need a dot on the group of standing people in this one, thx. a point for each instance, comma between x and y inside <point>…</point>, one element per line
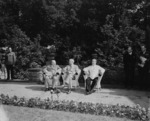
<point>8,60</point>
<point>142,62</point>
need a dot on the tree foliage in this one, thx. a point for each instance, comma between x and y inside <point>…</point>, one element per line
<point>101,26</point>
<point>117,38</point>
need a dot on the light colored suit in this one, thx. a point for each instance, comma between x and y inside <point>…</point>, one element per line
<point>52,75</point>
<point>71,75</point>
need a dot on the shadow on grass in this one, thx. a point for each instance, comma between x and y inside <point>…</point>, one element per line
<point>79,90</point>
<point>36,88</point>
<point>136,96</point>
<point>19,82</point>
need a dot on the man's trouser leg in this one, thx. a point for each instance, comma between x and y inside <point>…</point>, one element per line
<point>47,82</point>
<point>8,71</point>
<point>146,75</point>
<point>94,83</point>
<point>68,81</point>
<point>145,79</point>
<point>12,71</point>
<point>131,78</point>
<point>127,78</point>
<point>55,81</point>
<point>140,75</point>
<point>88,84</point>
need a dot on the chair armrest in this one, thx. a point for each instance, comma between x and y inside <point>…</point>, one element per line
<point>99,74</point>
<point>84,73</point>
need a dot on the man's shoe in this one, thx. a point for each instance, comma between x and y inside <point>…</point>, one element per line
<point>51,91</point>
<point>57,91</point>
<point>46,89</point>
<point>54,88</point>
<point>87,93</point>
<point>50,88</point>
<point>63,86</point>
<point>69,92</point>
<point>90,92</point>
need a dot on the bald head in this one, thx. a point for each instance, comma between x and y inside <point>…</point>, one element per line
<point>94,61</point>
<point>129,49</point>
<point>71,61</point>
<point>10,49</point>
<point>53,62</point>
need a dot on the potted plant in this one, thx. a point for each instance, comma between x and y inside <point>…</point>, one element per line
<point>35,72</point>
<point>51,52</point>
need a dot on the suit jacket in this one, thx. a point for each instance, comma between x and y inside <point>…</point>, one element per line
<point>12,55</point>
<point>129,61</point>
<point>52,70</point>
<point>71,70</point>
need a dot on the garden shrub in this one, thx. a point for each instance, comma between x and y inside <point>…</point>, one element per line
<point>76,28</point>
<point>114,76</point>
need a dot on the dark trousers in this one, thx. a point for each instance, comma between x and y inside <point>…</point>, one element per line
<point>10,70</point>
<point>91,83</point>
<point>129,79</point>
<point>143,77</point>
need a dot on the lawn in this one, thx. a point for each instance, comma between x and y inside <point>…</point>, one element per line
<point>32,114</point>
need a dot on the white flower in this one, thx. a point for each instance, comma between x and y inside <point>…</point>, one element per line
<point>48,47</point>
<point>51,91</point>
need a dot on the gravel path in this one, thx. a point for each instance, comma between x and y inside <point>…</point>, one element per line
<point>105,96</point>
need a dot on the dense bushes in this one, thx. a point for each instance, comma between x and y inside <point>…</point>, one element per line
<point>29,53</point>
<point>77,28</point>
<point>114,76</point>
<point>135,113</point>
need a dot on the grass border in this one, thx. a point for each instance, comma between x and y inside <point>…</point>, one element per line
<point>121,111</point>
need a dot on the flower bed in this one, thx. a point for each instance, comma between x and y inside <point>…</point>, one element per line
<point>135,113</point>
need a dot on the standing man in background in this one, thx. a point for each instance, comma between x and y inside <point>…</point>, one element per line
<point>10,63</point>
<point>129,60</point>
<point>143,67</point>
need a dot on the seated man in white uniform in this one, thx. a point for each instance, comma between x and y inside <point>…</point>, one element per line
<point>71,73</point>
<point>51,75</point>
<point>93,74</point>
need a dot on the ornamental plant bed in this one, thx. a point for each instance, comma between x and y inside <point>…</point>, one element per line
<point>35,74</point>
<point>122,111</point>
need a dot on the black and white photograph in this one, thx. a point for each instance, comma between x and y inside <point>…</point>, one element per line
<point>74,60</point>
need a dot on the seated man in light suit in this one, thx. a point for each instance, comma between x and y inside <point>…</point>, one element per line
<point>93,76</point>
<point>70,75</point>
<point>51,75</point>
